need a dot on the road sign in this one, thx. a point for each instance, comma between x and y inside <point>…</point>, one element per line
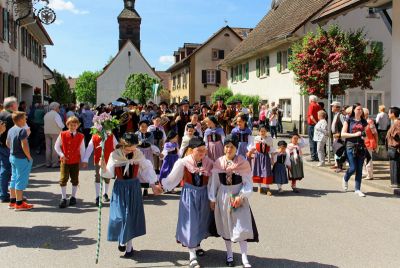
<point>334,75</point>
<point>346,76</point>
<point>334,81</point>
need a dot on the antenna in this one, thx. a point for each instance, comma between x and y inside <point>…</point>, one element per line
<point>226,21</point>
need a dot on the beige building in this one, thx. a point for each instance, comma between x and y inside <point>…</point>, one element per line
<point>195,74</point>
<point>22,51</point>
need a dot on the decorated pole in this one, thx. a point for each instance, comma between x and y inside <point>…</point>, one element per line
<point>102,144</point>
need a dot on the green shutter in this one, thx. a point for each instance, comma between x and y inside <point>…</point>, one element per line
<point>232,78</point>
<point>247,71</point>
<point>267,63</point>
<point>289,54</point>
<point>237,73</point>
<point>258,67</point>
<point>240,72</point>
<point>278,61</point>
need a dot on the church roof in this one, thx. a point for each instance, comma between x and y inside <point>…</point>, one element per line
<point>128,14</point>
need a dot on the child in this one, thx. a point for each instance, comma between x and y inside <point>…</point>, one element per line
<point>70,146</point>
<point>170,154</point>
<point>189,134</point>
<point>146,140</point>
<point>129,167</point>
<point>296,171</point>
<point>262,170</point>
<point>21,162</point>
<point>243,133</point>
<point>228,191</point>
<point>94,145</point>
<point>214,137</point>
<point>194,120</point>
<point>321,136</point>
<point>281,164</point>
<point>273,121</point>
<point>159,139</point>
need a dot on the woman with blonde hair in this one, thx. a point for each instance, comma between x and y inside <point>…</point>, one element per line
<point>382,119</point>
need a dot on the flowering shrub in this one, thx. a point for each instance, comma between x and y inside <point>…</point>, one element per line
<point>316,55</point>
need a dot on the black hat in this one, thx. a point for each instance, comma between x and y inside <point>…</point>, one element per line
<point>144,121</point>
<point>238,102</point>
<point>196,142</point>
<point>130,138</point>
<point>184,102</point>
<point>190,126</point>
<point>219,98</point>
<point>122,100</point>
<point>172,134</point>
<point>132,103</point>
<point>163,103</point>
<point>282,143</point>
<point>232,139</point>
<point>213,119</point>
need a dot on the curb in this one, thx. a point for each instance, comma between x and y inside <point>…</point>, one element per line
<point>38,166</point>
<point>370,183</point>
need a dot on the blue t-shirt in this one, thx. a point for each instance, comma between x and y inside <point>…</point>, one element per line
<point>15,137</point>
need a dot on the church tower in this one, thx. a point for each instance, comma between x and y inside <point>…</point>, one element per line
<point>129,25</point>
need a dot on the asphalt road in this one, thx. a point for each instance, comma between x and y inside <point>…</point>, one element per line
<point>320,227</point>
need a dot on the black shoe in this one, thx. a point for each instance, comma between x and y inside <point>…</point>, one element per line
<point>105,198</point>
<point>72,201</point>
<point>145,193</point>
<point>97,201</point>
<point>255,189</point>
<point>230,262</point>
<point>295,190</point>
<point>200,252</point>
<point>128,254</point>
<point>122,248</point>
<point>5,200</point>
<point>63,203</point>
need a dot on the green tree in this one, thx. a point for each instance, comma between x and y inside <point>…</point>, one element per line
<point>246,100</point>
<point>139,87</point>
<point>223,92</point>
<point>60,91</point>
<point>86,87</point>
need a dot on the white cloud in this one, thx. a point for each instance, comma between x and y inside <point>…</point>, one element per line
<point>66,5</point>
<point>167,60</point>
<point>58,22</point>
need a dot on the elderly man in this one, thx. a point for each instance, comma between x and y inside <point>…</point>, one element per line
<point>312,119</point>
<point>336,129</point>
<point>53,125</point>
<point>10,105</point>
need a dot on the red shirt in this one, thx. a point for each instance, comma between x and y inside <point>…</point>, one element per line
<point>109,148</point>
<point>313,110</point>
<point>71,146</point>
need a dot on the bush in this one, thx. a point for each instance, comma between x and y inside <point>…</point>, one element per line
<point>246,100</point>
<point>223,92</point>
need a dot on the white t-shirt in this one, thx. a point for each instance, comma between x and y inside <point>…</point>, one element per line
<point>382,119</point>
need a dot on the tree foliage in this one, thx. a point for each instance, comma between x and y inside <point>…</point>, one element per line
<point>223,92</point>
<point>86,87</point>
<point>246,100</point>
<point>139,87</point>
<point>316,55</point>
<point>60,91</point>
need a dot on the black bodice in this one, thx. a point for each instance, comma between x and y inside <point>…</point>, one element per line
<point>236,179</point>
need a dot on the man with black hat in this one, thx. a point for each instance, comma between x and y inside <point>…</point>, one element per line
<point>229,115</point>
<point>165,115</point>
<point>181,119</point>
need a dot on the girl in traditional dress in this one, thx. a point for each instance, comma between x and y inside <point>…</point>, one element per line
<point>189,134</point>
<point>194,208</point>
<point>281,165</point>
<point>214,137</point>
<point>194,120</point>
<point>159,139</point>
<point>243,133</point>
<point>262,167</point>
<point>296,170</point>
<point>129,167</point>
<point>228,190</point>
<point>170,154</point>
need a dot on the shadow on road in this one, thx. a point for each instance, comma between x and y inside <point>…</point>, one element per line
<point>46,237</point>
<point>213,258</point>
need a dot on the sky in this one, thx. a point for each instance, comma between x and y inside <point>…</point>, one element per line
<point>85,33</point>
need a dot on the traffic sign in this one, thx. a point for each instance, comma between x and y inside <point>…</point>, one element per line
<point>334,81</point>
<point>334,75</point>
<point>346,76</point>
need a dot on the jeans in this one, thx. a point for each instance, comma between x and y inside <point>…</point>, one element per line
<point>5,172</point>
<point>394,157</point>
<point>272,129</point>
<point>51,155</point>
<point>313,144</point>
<point>280,126</point>
<point>355,166</point>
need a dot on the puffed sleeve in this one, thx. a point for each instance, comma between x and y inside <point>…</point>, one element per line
<point>250,142</point>
<point>213,185</point>
<point>287,160</point>
<point>247,188</point>
<point>176,175</point>
<point>109,173</point>
<point>146,172</point>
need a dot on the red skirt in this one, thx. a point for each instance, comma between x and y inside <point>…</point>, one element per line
<point>267,180</point>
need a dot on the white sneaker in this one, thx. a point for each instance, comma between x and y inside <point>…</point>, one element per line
<point>345,185</point>
<point>359,193</point>
<point>320,164</point>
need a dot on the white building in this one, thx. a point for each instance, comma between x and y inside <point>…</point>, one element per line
<point>111,82</point>
<point>266,53</point>
<point>22,50</point>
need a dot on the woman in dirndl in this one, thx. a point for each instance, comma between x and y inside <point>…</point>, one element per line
<point>296,170</point>
<point>262,167</point>
<point>281,165</point>
<point>195,215</point>
<point>243,133</point>
<point>128,166</point>
<point>170,154</point>
<point>228,190</point>
<point>214,138</point>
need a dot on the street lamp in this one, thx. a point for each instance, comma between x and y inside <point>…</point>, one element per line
<point>38,8</point>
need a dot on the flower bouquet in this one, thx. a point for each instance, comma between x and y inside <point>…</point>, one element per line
<point>103,126</point>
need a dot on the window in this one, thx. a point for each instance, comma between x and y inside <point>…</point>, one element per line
<point>373,100</point>
<point>5,25</point>
<point>282,60</point>
<point>179,81</point>
<point>174,83</point>
<point>245,72</point>
<point>218,54</point>
<point>203,99</point>
<point>211,77</point>
<point>262,66</point>
<point>286,106</point>
<point>184,80</point>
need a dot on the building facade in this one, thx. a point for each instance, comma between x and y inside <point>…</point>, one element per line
<point>195,74</point>
<point>259,66</point>
<point>22,51</point>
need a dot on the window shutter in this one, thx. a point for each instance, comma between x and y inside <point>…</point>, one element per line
<point>289,54</point>
<point>258,67</point>
<point>204,76</point>
<point>232,78</point>
<point>1,27</point>
<point>247,71</point>
<point>218,77</point>
<point>5,84</point>
<point>237,73</point>
<point>240,72</point>
<point>267,63</point>
<point>5,25</point>
<point>278,61</point>
<point>221,54</point>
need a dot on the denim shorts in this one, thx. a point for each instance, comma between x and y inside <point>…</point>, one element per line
<point>20,170</point>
